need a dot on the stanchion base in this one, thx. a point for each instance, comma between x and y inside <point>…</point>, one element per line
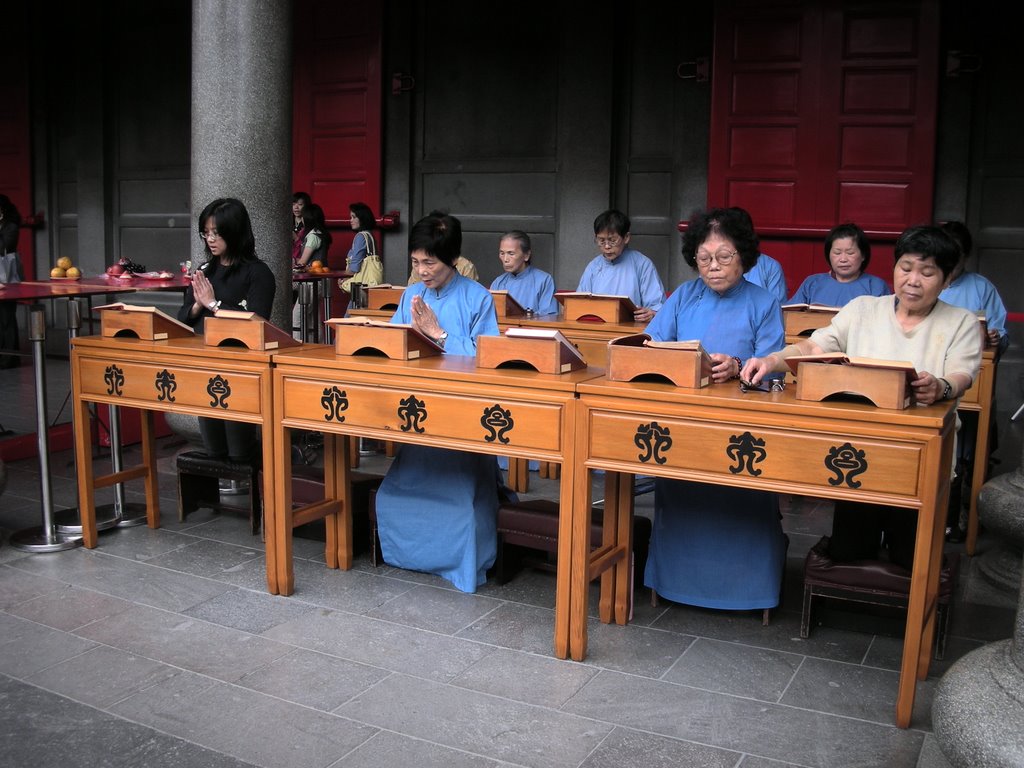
<point>69,522</point>
<point>132,514</point>
<point>38,540</point>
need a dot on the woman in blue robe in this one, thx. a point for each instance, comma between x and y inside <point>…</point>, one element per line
<point>717,546</point>
<point>532,289</point>
<point>437,509</point>
<point>848,253</point>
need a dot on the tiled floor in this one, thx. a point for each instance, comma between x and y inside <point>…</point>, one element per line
<point>162,648</point>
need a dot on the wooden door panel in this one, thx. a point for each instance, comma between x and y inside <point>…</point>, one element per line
<point>824,112</point>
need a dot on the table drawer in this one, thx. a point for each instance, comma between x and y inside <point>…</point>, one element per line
<point>501,421</point>
<point>148,385</point>
<point>766,453</point>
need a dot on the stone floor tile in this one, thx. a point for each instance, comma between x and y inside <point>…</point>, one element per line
<point>69,607</point>
<point>477,723</point>
<point>388,750</point>
<point>784,733</point>
<point>438,610</point>
<point>313,679</point>
<point>635,748</point>
<point>741,670</point>
<point>525,677</point>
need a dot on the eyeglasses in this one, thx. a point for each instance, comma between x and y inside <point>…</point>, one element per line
<point>723,257</point>
<point>211,235</point>
<point>608,242</point>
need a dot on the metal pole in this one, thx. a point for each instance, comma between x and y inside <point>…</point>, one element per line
<point>45,538</point>
<point>126,514</point>
<point>69,521</point>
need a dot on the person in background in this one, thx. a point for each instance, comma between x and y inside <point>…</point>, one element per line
<point>363,260</point>
<point>766,272</point>
<point>622,271</point>
<point>942,342</point>
<point>299,201</point>
<point>10,272</point>
<point>718,546</point>
<point>462,265</point>
<point>233,277</point>
<point>977,294</point>
<point>532,289</point>
<point>437,508</point>
<point>316,240</point>
<point>848,254</point>
<point>973,291</point>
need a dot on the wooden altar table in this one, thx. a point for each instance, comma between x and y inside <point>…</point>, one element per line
<point>766,441</point>
<point>444,402</point>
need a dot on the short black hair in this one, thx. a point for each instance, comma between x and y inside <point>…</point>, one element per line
<point>733,223</point>
<point>961,234</point>
<point>439,235</point>
<point>858,235</point>
<point>930,242</point>
<point>613,221</point>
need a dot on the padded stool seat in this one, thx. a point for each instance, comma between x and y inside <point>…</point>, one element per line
<point>874,582</point>
<point>534,525</point>
<point>308,488</point>
<point>198,486</point>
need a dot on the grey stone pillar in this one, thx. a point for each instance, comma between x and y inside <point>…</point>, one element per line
<point>978,712</point>
<point>242,124</point>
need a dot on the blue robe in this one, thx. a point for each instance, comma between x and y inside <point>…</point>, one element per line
<point>631,274</point>
<point>824,289</point>
<point>713,545</point>
<point>976,293</point>
<point>437,509</point>
<point>767,273</point>
<point>532,289</point>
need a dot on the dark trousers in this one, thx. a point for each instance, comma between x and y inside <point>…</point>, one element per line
<point>234,440</point>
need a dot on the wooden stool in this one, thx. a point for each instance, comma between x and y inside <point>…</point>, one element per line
<point>199,486</point>
<point>533,525</point>
<point>871,582</point>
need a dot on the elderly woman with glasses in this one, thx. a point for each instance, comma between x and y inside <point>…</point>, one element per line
<point>718,546</point>
<point>232,278</point>
<point>621,271</point>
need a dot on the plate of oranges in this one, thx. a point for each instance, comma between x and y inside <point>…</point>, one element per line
<point>65,270</point>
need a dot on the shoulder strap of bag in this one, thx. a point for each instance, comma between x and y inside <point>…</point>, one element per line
<point>371,247</point>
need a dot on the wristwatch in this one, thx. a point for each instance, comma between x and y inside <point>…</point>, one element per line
<point>213,306</point>
<point>947,391</point>
<point>442,339</point>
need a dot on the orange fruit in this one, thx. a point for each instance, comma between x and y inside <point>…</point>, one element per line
<point>64,262</point>
<point>315,266</point>
<point>58,272</point>
<point>73,272</point>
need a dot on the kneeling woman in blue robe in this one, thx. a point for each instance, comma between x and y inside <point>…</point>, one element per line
<point>437,509</point>
<point>712,545</point>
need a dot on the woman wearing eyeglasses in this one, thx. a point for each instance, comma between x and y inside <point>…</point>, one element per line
<point>232,278</point>
<point>718,546</point>
<point>622,271</point>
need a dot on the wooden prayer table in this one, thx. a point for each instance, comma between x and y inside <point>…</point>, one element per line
<point>443,402</point>
<point>769,442</point>
<point>175,375</point>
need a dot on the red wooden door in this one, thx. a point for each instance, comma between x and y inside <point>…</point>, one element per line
<point>822,113</point>
<point>15,135</point>
<point>336,136</point>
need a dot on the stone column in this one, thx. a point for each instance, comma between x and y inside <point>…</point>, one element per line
<point>978,712</point>
<point>242,124</point>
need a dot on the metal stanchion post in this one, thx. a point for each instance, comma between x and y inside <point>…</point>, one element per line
<point>127,514</point>
<point>69,521</point>
<point>44,538</point>
<point>305,297</point>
